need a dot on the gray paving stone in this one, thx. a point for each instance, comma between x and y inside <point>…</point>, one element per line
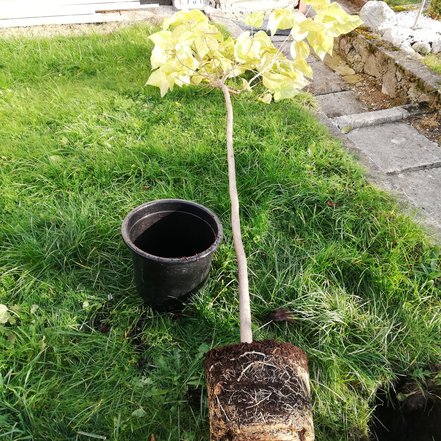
<point>340,103</point>
<point>325,80</point>
<point>371,118</point>
<point>423,189</point>
<point>395,147</point>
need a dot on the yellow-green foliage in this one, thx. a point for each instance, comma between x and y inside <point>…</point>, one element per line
<point>433,62</point>
<point>435,9</point>
<point>190,50</point>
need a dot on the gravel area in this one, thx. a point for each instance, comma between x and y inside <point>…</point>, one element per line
<point>111,22</point>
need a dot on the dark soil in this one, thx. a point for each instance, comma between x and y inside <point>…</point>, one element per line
<point>99,320</point>
<point>257,384</point>
<point>409,411</point>
<point>369,92</point>
<point>429,126</point>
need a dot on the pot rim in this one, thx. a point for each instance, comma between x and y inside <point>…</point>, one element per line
<point>176,260</point>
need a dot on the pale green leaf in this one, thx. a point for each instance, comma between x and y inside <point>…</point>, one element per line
<point>280,19</point>
<point>318,37</point>
<point>186,18</point>
<point>285,93</point>
<point>4,314</point>
<point>196,79</point>
<point>273,80</point>
<point>299,49</point>
<point>298,34</point>
<point>246,85</point>
<point>182,37</point>
<point>337,20</point>
<point>158,57</point>
<point>162,39</point>
<point>242,47</point>
<point>163,45</point>
<point>186,60</point>
<point>263,40</point>
<point>266,98</point>
<point>301,65</point>
<point>255,19</point>
<point>158,78</point>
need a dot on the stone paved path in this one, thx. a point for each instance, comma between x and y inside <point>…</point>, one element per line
<point>396,155</point>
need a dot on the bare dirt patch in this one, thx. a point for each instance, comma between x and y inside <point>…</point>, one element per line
<point>429,126</point>
<point>369,91</point>
<point>112,21</point>
<point>61,30</point>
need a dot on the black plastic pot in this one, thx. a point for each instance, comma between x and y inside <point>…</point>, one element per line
<point>172,243</point>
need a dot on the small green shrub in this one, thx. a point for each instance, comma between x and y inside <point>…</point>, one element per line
<point>435,9</point>
<point>433,62</point>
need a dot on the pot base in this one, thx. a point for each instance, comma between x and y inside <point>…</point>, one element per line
<point>259,392</point>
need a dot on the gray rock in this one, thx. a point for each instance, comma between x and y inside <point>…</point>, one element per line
<point>378,16</point>
<point>436,45</point>
<point>390,83</point>
<point>393,36</point>
<point>406,47</point>
<point>421,47</point>
<point>374,67</point>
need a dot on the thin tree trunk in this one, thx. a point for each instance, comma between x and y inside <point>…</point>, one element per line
<point>246,335</point>
<point>420,10</point>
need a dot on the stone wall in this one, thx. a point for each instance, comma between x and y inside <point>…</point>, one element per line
<point>399,74</point>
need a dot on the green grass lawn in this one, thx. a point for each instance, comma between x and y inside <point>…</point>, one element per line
<point>83,141</point>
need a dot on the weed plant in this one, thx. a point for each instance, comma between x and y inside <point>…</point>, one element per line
<point>435,9</point>
<point>83,141</point>
<point>400,5</point>
<point>433,62</point>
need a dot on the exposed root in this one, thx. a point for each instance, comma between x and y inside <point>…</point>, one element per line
<point>256,389</point>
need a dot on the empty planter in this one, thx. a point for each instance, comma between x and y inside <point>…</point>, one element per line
<point>172,243</point>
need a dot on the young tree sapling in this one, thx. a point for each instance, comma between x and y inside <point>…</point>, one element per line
<point>191,51</point>
<point>257,391</point>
